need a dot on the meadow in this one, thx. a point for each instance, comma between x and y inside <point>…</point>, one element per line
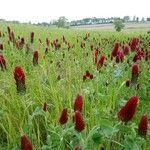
<point>69,89</point>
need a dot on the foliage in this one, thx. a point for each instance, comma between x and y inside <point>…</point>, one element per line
<point>119,25</point>
<point>62,22</point>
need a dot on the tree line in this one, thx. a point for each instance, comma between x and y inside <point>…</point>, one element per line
<point>64,23</point>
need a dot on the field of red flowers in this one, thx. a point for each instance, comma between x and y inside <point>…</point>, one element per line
<point>67,89</point>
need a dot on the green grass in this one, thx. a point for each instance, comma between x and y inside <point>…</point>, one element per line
<point>22,113</point>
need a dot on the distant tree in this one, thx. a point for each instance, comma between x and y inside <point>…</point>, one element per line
<point>119,25</point>
<point>15,22</point>
<point>137,19</point>
<point>143,19</point>
<point>148,19</point>
<point>2,20</point>
<point>86,20</point>
<point>62,22</point>
<point>134,19</point>
<point>126,18</point>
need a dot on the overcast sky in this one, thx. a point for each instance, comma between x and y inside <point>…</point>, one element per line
<point>46,10</point>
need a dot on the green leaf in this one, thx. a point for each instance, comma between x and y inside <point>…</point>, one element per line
<point>97,138</point>
<point>107,128</point>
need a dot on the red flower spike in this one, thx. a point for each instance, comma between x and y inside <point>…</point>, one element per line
<point>136,57</point>
<point>135,69</point>
<point>1,46</point>
<point>115,50</point>
<point>126,50</point>
<point>128,82</point>
<point>135,73</point>
<point>64,40</point>
<point>46,50</point>
<point>117,59</point>
<point>143,125</point>
<point>78,103</point>
<point>92,46</point>
<point>2,63</point>
<point>32,37</point>
<point>64,116</point>
<point>134,43</point>
<point>84,77</point>
<point>19,77</point>
<point>101,62</point>
<point>95,55</point>
<point>22,41</point>
<point>25,143</point>
<point>56,40</point>
<point>127,112</point>
<point>87,73</point>
<point>77,148</point>
<point>91,76</point>
<point>79,122</point>
<point>35,58</point>
<point>45,107</point>
<point>47,42</point>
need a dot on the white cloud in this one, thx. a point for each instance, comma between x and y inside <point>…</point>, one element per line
<point>45,10</point>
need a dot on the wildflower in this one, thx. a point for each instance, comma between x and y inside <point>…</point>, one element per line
<point>134,43</point>
<point>128,82</point>
<point>2,63</point>
<point>143,125</point>
<point>126,50</point>
<point>58,77</point>
<point>19,77</point>
<point>47,42</point>
<point>77,148</point>
<point>35,58</point>
<point>64,116</point>
<point>78,103</point>
<point>87,73</point>
<point>1,46</point>
<point>135,73</point>
<point>95,55</point>
<point>115,49</point>
<point>32,37</point>
<point>46,50</point>
<point>25,143</point>
<point>136,57</point>
<point>22,41</point>
<point>84,77</point>
<point>91,46</point>
<point>79,122</point>
<point>127,112</point>
<point>91,76</point>
<point>45,107</point>
<point>101,61</point>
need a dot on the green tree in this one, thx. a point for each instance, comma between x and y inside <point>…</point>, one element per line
<point>62,22</point>
<point>119,25</point>
<point>126,18</point>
